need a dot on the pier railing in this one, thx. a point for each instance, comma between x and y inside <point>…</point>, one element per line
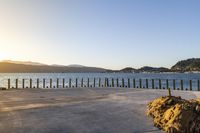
<point>191,85</point>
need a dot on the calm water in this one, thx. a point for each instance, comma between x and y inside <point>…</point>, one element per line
<point>178,76</point>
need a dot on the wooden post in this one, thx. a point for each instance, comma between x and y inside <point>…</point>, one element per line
<point>99,82</point>
<point>174,84</point>
<point>117,82</point>
<point>169,91</point>
<point>88,82</point>
<point>153,84</point>
<point>76,82</point>
<point>108,82</point>
<point>134,84</point>
<point>167,84</point>
<point>23,82</point>
<point>38,83</point>
<point>198,85</point>
<point>140,82</point>
<point>123,82</point>
<point>82,82</point>
<point>8,83</point>
<point>160,84</point>
<point>105,83</point>
<point>16,84</point>
<point>113,83</point>
<point>94,83</point>
<point>190,85</point>
<point>30,83</point>
<point>50,83</point>
<point>63,82</point>
<point>129,85</point>
<point>70,83</point>
<point>57,83</point>
<point>44,86</point>
<point>181,84</point>
<point>167,87</point>
<point>147,84</point>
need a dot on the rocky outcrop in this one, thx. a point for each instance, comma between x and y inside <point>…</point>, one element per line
<point>175,115</point>
<point>187,65</point>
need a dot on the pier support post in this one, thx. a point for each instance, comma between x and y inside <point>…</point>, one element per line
<point>160,84</point>
<point>8,83</point>
<point>30,83</point>
<point>174,84</point>
<point>50,83</point>
<point>76,82</point>
<point>198,84</point>
<point>82,82</point>
<point>167,84</point>
<point>63,83</point>
<point>147,84</point>
<point>88,82</point>
<point>44,83</point>
<point>38,83</point>
<point>134,84</point>
<point>117,82</point>
<point>16,84</point>
<point>70,83</point>
<point>99,82</point>
<point>153,84</point>
<point>94,85</point>
<point>57,83</point>
<point>123,82</point>
<point>108,82</point>
<point>190,85</point>
<point>129,85</point>
<point>105,82</point>
<point>113,83</point>
<point>181,84</point>
<point>23,82</point>
<point>140,82</point>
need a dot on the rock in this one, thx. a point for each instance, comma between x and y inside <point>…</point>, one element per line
<point>175,115</point>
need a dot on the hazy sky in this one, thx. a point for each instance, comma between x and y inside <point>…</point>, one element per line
<point>103,33</point>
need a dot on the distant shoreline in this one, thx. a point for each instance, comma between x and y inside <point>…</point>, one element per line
<point>185,66</point>
<point>110,72</point>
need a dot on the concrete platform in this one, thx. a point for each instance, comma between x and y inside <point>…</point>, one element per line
<point>79,110</point>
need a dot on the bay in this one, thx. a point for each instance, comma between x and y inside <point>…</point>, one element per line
<point>186,77</point>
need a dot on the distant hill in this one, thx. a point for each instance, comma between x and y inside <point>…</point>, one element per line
<point>128,70</point>
<point>6,67</point>
<point>24,62</point>
<point>76,65</point>
<point>187,65</point>
<point>153,69</point>
<point>143,69</point>
<point>73,65</point>
<point>125,70</point>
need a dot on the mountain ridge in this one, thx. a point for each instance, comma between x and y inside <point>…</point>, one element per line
<point>24,68</point>
<point>8,66</point>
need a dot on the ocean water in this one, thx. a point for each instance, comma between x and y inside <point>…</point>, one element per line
<point>186,77</point>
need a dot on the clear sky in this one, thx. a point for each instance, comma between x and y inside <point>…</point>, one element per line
<point>102,33</point>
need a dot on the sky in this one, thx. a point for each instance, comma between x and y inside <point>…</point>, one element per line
<point>103,33</point>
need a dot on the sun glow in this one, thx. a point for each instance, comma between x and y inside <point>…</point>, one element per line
<point>2,56</point>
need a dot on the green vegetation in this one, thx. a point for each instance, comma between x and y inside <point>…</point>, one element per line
<point>187,65</point>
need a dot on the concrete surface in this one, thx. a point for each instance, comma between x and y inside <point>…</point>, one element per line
<point>79,110</point>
